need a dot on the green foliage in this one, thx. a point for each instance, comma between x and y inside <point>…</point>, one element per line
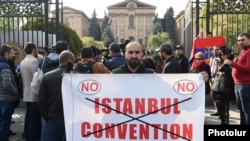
<point>156,40</point>
<point>170,24</point>
<point>90,41</point>
<point>157,28</point>
<point>105,22</point>
<point>107,35</point>
<point>68,34</point>
<point>72,39</point>
<point>94,29</point>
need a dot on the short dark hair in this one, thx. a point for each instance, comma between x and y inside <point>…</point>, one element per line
<point>166,48</point>
<point>115,47</point>
<point>245,34</point>
<point>87,52</point>
<point>4,49</point>
<point>29,47</point>
<point>60,46</point>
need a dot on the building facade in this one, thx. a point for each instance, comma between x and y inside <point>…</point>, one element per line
<point>76,20</point>
<point>132,20</point>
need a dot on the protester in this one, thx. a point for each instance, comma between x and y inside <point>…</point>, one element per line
<point>148,61</point>
<point>182,59</point>
<point>87,56</point>
<point>159,63</point>
<point>28,66</point>
<point>214,66</point>
<point>8,91</point>
<point>166,53</point>
<point>117,59</point>
<point>133,56</point>
<point>50,99</point>
<point>241,76</point>
<point>50,63</point>
<point>199,66</point>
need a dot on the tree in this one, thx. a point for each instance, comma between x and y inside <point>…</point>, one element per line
<point>156,40</point>
<point>94,29</point>
<point>170,24</point>
<point>105,21</point>
<point>68,34</point>
<point>157,28</point>
<point>107,35</point>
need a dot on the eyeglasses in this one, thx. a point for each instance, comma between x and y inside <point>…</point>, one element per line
<point>136,52</point>
<point>198,59</point>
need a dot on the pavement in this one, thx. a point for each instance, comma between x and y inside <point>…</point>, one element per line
<point>234,118</point>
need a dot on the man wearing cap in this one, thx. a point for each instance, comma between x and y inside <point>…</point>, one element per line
<point>182,59</point>
<point>166,53</point>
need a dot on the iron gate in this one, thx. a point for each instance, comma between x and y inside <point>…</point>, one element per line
<point>24,21</point>
<point>223,17</point>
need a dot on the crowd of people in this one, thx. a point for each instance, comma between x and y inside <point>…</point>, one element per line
<point>44,119</point>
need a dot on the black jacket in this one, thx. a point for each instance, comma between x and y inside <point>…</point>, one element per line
<point>184,64</point>
<point>50,95</point>
<point>124,69</point>
<point>172,66</point>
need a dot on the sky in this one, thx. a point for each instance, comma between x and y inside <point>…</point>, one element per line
<point>88,6</point>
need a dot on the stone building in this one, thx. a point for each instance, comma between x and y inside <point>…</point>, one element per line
<point>75,19</point>
<point>132,20</point>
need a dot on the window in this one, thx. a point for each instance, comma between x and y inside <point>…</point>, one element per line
<point>131,20</point>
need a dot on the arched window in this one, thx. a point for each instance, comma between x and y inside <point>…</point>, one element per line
<point>131,20</point>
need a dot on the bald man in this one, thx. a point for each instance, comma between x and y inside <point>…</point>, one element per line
<point>50,100</point>
<point>133,56</point>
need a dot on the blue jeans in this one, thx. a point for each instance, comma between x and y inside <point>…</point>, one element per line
<point>43,132</point>
<point>32,124</point>
<point>6,110</point>
<point>242,93</point>
<point>55,130</point>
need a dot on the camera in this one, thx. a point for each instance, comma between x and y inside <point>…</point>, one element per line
<point>228,50</point>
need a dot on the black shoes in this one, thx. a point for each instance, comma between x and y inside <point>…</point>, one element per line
<point>215,114</point>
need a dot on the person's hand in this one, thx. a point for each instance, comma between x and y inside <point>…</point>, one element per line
<point>227,62</point>
<point>205,75</point>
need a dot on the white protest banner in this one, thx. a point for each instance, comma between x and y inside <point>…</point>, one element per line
<point>134,107</point>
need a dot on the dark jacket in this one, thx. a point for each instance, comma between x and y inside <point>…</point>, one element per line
<point>149,63</point>
<point>184,64</point>
<point>172,66</point>
<point>124,69</point>
<point>115,62</point>
<point>50,95</point>
<point>8,88</point>
<point>51,62</point>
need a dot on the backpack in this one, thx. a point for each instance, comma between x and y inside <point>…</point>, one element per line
<point>85,68</point>
<point>37,79</point>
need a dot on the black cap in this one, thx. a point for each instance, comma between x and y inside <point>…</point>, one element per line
<point>179,47</point>
<point>165,47</point>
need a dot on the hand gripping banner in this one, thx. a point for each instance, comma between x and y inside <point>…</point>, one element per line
<point>134,107</point>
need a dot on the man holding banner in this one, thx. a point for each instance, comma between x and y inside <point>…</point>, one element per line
<point>133,56</point>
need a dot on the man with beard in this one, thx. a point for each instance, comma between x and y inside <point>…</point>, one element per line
<point>241,76</point>
<point>8,91</point>
<point>166,53</point>
<point>28,66</point>
<point>133,56</point>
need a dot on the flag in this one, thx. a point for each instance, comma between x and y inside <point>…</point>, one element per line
<point>205,45</point>
<point>111,19</point>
